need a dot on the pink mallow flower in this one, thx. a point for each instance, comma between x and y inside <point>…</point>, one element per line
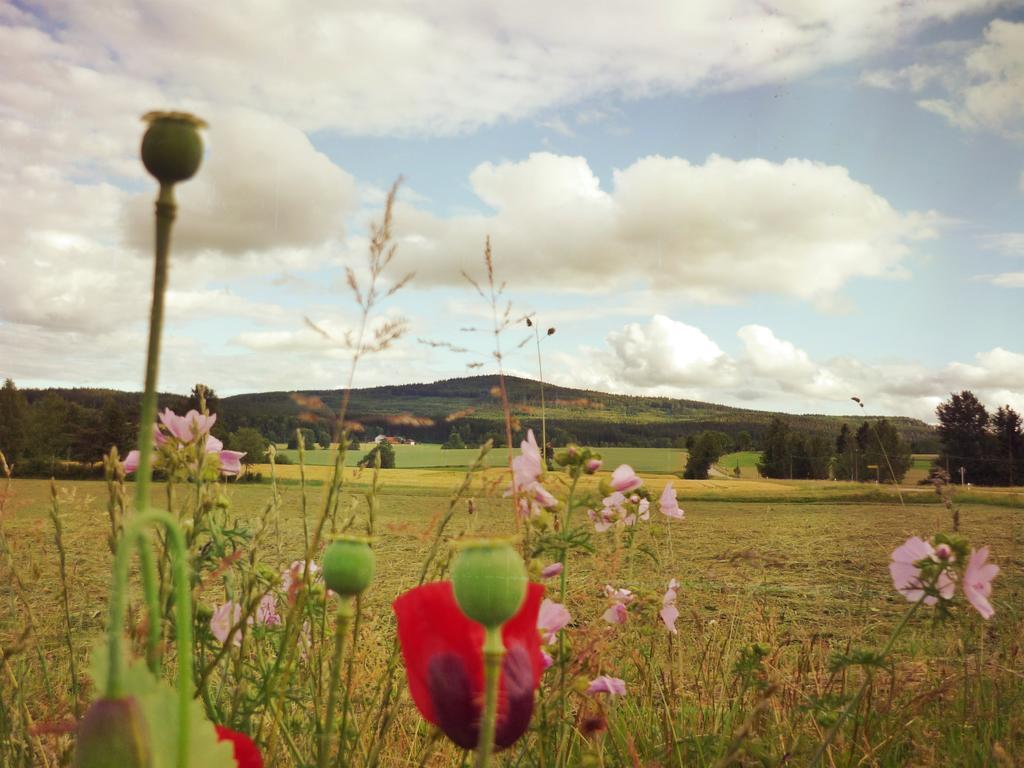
<point>616,614</point>
<point>539,495</point>
<point>266,611</point>
<point>230,461</point>
<point>526,467</point>
<point>624,479</point>
<point>552,570</point>
<point>590,466</point>
<point>131,462</point>
<point>291,577</point>
<point>602,520</point>
<point>613,686</point>
<point>978,582</point>
<point>620,598</point>
<point>669,613</point>
<point>552,619</point>
<point>224,618</point>
<point>189,427</point>
<point>906,575</point>
<point>669,505</point>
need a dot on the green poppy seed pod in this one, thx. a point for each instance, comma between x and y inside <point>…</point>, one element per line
<point>113,734</point>
<point>348,565</point>
<point>172,147</point>
<point>489,579</point>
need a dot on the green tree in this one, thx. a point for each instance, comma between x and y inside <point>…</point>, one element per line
<point>14,415</point>
<point>50,434</point>
<point>888,452</point>
<point>354,444</point>
<point>198,393</point>
<point>848,459</point>
<point>308,439</point>
<point>1009,441</point>
<point>819,457</point>
<point>251,442</point>
<point>454,441</point>
<point>387,456</point>
<point>744,441</point>
<point>776,458</point>
<point>114,428</point>
<point>707,448</point>
<point>963,429</point>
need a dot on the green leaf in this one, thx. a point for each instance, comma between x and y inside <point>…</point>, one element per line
<point>159,703</point>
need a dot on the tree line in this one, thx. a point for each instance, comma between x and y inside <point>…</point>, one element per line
<point>989,448</point>
<point>50,435</point>
<point>48,432</point>
<point>976,447</point>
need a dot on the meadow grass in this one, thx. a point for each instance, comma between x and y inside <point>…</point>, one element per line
<point>799,568</point>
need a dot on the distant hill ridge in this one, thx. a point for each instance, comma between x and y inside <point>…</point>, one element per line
<point>428,412</point>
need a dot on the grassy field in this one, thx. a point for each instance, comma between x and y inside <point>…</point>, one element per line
<point>657,460</point>
<point>796,566</point>
<point>431,455</point>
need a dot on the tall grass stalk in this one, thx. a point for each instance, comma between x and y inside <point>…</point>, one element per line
<point>58,539</point>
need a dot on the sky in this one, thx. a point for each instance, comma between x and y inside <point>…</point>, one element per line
<point>772,205</point>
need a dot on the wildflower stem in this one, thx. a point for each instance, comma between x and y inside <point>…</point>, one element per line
<point>855,701</point>
<point>344,619</point>
<point>543,405</point>
<point>133,536</point>
<point>494,650</point>
<point>58,537</point>
<point>166,209</point>
<point>562,730</point>
<point>150,590</point>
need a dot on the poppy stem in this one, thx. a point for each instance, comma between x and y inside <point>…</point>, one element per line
<point>166,209</point>
<point>150,589</point>
<point>115,687</point>
<point>344,619</point>
<point>494,650</point>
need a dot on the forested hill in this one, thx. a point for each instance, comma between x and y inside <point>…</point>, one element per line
<point>470,405</point>
<point>428,412</point>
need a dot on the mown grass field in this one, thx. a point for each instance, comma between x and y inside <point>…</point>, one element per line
<point>800,567</point>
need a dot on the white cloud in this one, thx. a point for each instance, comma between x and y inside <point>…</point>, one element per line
<point>1004,279</point>
<point>769,357</point>
<point>440,68</point>
<point>715,232</point>
<point>75,267</point>
<point>667,352</point>
<point>996,369</point>
<point>1006,243</point>
<point>667,357</point>
<point>977,89</point>
<point>262,186</point>
<point>914,77</point>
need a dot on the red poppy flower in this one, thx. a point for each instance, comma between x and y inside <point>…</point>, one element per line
<point>246,753</point>
<point>443,652</point>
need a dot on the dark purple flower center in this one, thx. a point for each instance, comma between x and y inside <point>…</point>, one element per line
<point>458,713</point>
